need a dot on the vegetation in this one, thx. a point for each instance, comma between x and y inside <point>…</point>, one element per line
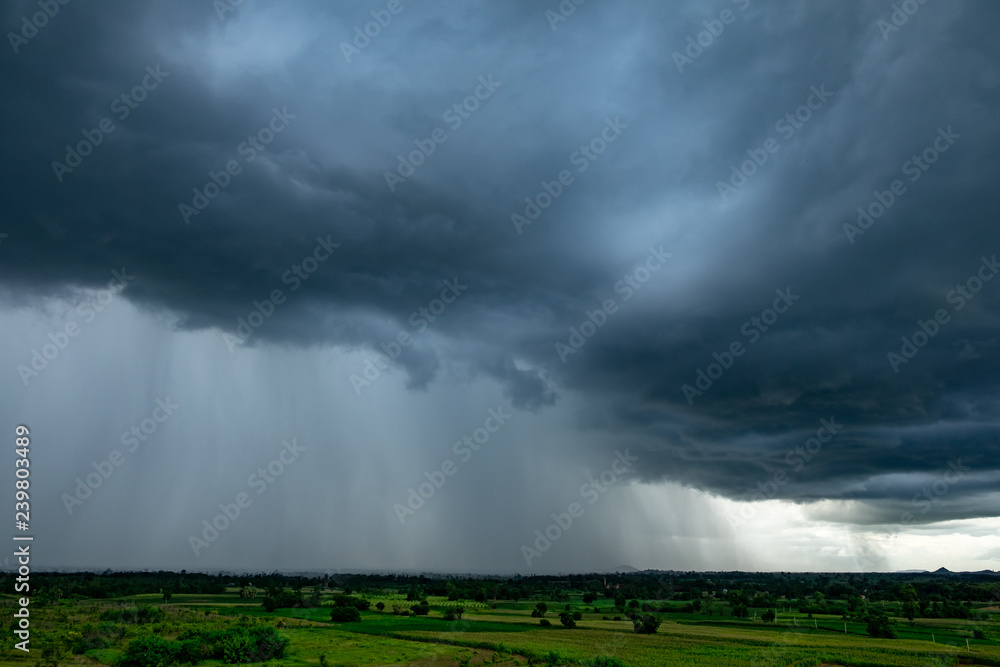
<point>622,620</point>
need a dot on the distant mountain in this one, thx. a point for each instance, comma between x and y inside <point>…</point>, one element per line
<point>625,568</point>
<point>943,570</point>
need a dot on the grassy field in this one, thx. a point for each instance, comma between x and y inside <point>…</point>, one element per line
<point>506,634</point>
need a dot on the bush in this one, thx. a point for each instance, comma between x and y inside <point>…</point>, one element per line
<point>253,643</point>
<point>567,620</point>
<point>345,615</point>
<point>134,615</point>
<point>148,651</point>
<point>421,608</point>
<point>544,623</point>
<point>604,661</point>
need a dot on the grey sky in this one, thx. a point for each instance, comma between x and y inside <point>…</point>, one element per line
<point>619,128</point>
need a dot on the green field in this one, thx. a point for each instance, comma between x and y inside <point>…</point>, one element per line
<point>503,633</point>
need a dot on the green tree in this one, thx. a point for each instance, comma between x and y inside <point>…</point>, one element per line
<point>647,624</point>
<point>345,614</point>
<point>879,625</point>
<point>541,608</point>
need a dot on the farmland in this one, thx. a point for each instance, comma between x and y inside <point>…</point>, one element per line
<point>439,622</point>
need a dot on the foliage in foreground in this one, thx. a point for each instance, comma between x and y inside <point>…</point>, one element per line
<point>232,646</point>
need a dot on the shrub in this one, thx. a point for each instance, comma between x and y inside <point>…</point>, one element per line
<point>544,622</point>
<point>567,620</point>
<point>421,608</point>
<point>148,651</point>
<point>604,661</point>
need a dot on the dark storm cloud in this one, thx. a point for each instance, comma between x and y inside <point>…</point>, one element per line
<point>656,185</point>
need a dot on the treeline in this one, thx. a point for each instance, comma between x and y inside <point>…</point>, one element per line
<point>755,589</point>
<point>49,587</point>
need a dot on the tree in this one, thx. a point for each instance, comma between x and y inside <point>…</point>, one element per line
<point>910,610</point>
<point>380,606</point>
<point>647,624</point>
<point>741,611</point>
<point>768,616</point>
<point>345,615</point>
<point>880,626</point>
<point>541,608</point>
<point>167,595</point>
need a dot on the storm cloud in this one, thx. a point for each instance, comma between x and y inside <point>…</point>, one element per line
<point>753,245</point>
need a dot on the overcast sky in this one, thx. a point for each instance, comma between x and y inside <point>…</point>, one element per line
<point>410,296</point>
